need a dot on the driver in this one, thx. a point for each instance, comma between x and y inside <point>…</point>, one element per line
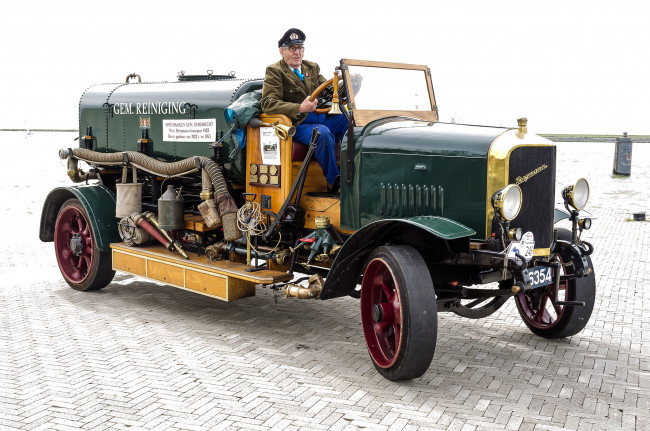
<point>287,86</point>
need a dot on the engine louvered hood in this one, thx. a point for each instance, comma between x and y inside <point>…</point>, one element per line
<point>415,168</point>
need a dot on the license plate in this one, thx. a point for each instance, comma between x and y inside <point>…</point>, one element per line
<point>540,276</point>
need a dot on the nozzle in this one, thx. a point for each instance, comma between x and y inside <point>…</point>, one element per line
<point>64,153</point>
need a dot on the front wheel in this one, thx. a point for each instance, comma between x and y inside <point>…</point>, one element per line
<point>82,264</point>
<point>552,320</point>
<point>399,312</point>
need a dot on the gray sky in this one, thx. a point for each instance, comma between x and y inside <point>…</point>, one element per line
<point>569,66</point>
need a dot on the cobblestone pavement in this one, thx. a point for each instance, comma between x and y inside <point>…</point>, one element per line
<point>137,355</point>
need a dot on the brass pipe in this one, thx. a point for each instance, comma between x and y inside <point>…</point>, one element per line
<point>79,176</point>
<point>152,219</point>
<point>76,174</point>
<point>248,248</point>
<point>335,97</point>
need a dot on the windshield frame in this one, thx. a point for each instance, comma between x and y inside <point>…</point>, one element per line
<point>364,116</point>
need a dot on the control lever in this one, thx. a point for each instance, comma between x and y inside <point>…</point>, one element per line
<point>296,188</point>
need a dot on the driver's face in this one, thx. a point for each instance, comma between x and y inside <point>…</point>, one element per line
<point>292,55</point>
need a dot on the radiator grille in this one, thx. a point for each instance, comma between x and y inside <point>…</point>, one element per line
<point>533,170</point>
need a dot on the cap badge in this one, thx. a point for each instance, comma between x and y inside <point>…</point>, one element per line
<point>293,36</point>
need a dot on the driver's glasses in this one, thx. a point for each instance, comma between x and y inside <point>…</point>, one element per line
<point>296,48</point>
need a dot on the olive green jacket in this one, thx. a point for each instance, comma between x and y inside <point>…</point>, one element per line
<point>283,91</point>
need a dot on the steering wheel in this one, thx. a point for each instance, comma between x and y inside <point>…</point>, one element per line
<point>328,95</point>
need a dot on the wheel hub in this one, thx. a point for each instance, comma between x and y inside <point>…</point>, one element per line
<point>383,313</point>
<point>377,313</point>
<point>76,244</point>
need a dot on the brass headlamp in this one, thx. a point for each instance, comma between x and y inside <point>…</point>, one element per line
<point>507,201</point>
<point>576,194</point>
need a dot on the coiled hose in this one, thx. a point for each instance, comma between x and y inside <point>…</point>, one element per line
<point>225,203</point>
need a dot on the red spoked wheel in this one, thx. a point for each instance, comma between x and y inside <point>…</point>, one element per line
<point>384,327</point>
<point>82,264</point>
<point>549,313</point>
<point>399,312</point>
<point>552,320</point>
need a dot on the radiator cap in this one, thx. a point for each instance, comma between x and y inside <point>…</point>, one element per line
<point>522,122</point>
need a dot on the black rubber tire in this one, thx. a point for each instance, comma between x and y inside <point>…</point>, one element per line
<point>572,319</point>
<point>90,268</point>
<point>402,272</point>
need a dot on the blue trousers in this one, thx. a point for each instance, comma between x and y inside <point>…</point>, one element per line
<point>332,128</point>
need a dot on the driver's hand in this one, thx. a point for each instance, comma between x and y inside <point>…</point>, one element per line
<point>307,106</point>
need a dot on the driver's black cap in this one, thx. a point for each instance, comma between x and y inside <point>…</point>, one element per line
<point>293,36</point>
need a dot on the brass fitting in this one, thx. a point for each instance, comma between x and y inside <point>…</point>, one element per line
<point>523,129</point>
<point>312,292</point>
<point>335,249</point>
<point>322,257</point>
<point>213,252</point>
<point>206,186</point>
<point>206,194</point>
<point>282,257</point>
<point>76,174</point>
<point>79,176</point>
<point>322,222</point>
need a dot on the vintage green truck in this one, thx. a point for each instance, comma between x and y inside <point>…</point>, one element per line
<point>431,217</point>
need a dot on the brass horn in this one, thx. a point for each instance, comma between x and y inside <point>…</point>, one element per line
<point>282,131</point>
<point>335,97</point>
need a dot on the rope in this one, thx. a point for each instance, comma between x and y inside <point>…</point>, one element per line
<point>250,221</point>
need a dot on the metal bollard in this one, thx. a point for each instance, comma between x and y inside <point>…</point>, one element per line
<point>623,156</point>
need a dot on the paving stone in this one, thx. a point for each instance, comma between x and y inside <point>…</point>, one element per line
<point>139,355</point>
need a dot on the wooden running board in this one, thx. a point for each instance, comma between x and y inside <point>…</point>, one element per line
<point>220,279</point>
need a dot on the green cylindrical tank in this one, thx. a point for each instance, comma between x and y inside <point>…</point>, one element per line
<point>182,118</point>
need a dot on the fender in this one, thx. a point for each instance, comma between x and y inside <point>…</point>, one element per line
<point>99,203</point>
<point>562,214</point>
<point>572,253</point>
<point>427,234</point>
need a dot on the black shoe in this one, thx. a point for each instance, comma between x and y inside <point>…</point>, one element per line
<point>334,187</point>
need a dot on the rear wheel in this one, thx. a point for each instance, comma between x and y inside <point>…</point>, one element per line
<point>557,321</point>
<point>82,264</point>
<point>399,312</point>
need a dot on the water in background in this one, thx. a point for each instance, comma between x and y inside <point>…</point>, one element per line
<point>594,161</point>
